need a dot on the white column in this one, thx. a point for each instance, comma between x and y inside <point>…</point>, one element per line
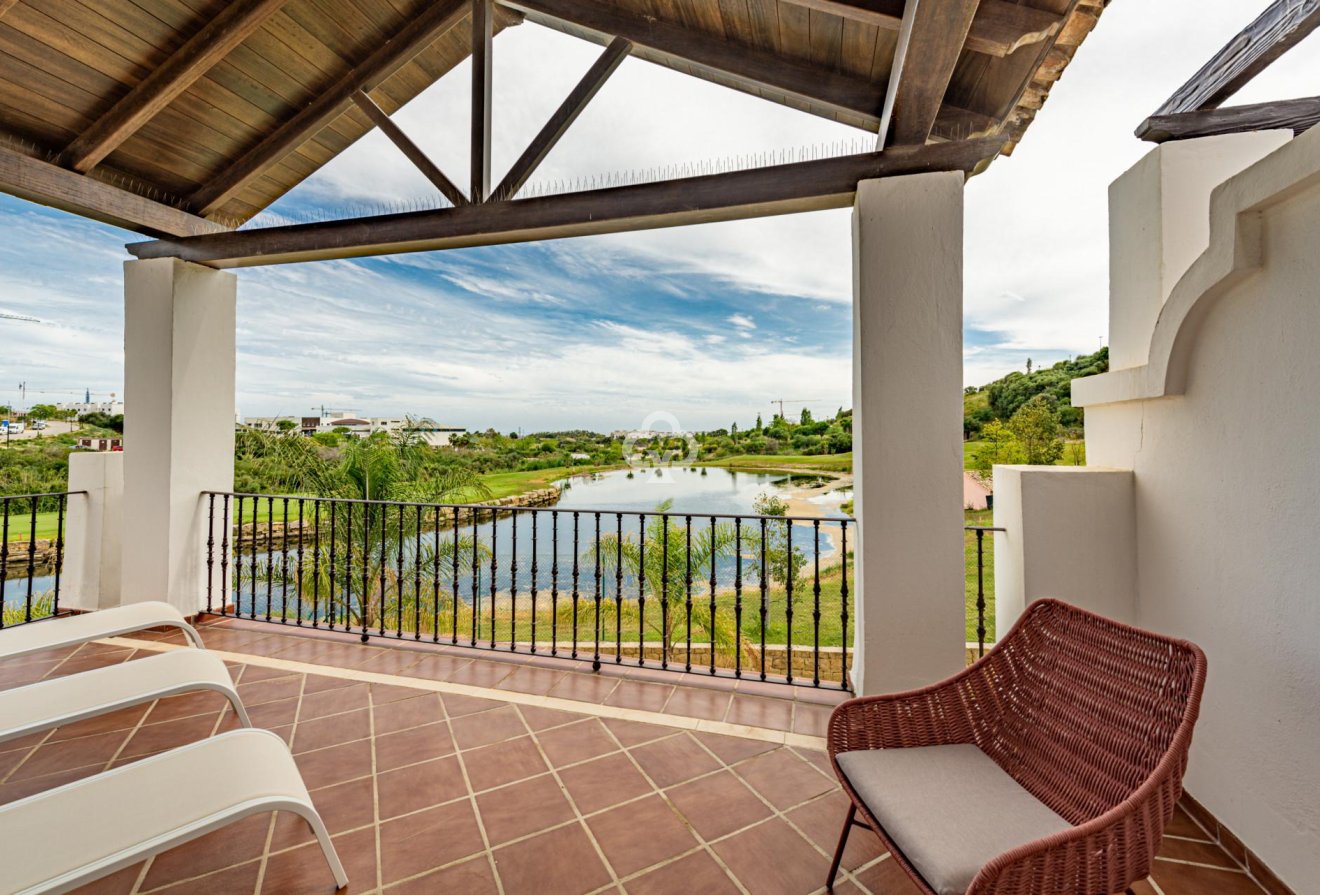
<point>179,361</point>
<point>92,549</point>
<point>907,430</point>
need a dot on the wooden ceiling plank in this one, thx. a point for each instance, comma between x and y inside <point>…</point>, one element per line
<point>48,184</point>
<point>5,6</point>
<point>743,63</point>
<point>922,72</point>
<point>779,189</point>
<point>420,31</point>
<point>563,118</point>
<point>1282,25</point>
<point>410,149</point>
<point>999,29</point>
<point>1297,115</point>
<point>483,32</point>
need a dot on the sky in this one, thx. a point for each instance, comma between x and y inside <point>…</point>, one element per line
<point>708,323</point>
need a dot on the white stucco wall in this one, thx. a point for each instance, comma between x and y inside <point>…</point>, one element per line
<point>1227,508</point>
<point>92,561</point>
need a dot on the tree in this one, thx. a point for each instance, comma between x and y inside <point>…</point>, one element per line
<point>1028,366</point>
<point>806,417</point>
<point>1036,428</point>
<point>42,412</point>
<point>285,425</point>
<point>759,426</point>
<point>999,448</point>
<point>782,564</point>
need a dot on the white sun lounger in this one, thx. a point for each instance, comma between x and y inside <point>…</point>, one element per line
<point>73,629</point>
<point>62,838</point>
<point>64,700</point>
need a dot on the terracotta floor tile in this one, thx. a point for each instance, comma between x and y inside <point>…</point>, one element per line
<point>317,683</point>
<point>152,738</point>
<point>384,694</point>
<point>822,821</point>
<point>674,760</point>
<point>437,668</point>
<point>593,688</point>
<point>481,673</point>
<point>269,690</point>
<point>333,702</point>
<point>637,835</point>
<point>82,752</point>
<point>242,878</point>
<point>343,807</point>
<point>472,877</point>
<point>817,759</point>
<point>811,720</point>
<point>420,786</point>
<point>637,695</point>
<point>1184,879</point>
<point>497,725</point>
<point>502,763</point>
<point>576,742</point>
<point>697,873</point>
<point>188,705</point>
<point>772,859</point>
<point>560,862</point>
<point>718,804</point>
<point>783,778</point>
<point>248,674</point>
<point>410,746</point>
<point>118,883</point>
<point>421,842</point>
<point>304,871</point>
<point>1197,852</point>
<point>78,664</point>
<point>123,719</point>
<point>538,718</point>
<point>885,876</point>
<point>732,750</point>
<point>404,714</point>
<point>335,764</point>
<point>274,714</point>
<point>537,681</point>
<point>761,711</point>
<point>21,789</point>
<point>237,843</point>
<point>22,675</point>
<point>456,705</point>
<point>394,661</point>
<point>331,731</point>
<point>603,782</point>
<point>524,808</point>
<point>691,702</point>
<point>1182,825</point>
<point>634,733</point>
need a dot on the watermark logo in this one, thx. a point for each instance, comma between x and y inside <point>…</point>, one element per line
<point>658,444</point>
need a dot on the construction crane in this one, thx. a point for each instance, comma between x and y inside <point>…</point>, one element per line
<point>782,401</point>
<point>4,315</point>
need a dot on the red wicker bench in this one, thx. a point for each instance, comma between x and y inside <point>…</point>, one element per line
<point>1052,765</point>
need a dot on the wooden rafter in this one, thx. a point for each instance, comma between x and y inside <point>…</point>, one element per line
<point>47,184</point>
<point>563,118</point>
<point>176,74</point>
<point>421,31</point>
<point>1282,25</point>
<point>483,32</point>
<point>999,29</point>
<point>779,189</point>
<point>5,6</point>
<point>410,149</point>
<point>921,74</point>
<point>1297,115</point>
<point>746,65</point>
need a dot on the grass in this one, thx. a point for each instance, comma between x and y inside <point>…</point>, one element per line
<point>1074,454</point>
<point>20,524</point>
<point>785,462</point>
<point>979,517</point>
<point>507,484</point>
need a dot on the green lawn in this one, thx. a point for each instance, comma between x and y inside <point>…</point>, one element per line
<point>1074,454</point>
<point>788,462</point>
<point>20,523</point>
<point>505,484</point>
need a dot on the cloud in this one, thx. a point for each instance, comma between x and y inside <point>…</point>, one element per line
<point>742,321</point>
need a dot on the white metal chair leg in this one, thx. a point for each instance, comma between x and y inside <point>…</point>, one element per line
<point>327,847</point>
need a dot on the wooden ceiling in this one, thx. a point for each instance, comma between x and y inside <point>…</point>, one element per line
<point>180,117</point>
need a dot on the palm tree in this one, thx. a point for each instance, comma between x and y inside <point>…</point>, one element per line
<point>663,560</point>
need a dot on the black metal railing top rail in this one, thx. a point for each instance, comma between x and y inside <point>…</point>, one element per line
<point>980,531</point>
<point>744,596</point>
<point>32,558</point>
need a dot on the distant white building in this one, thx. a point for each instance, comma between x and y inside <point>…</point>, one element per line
<point>356,426</point>
<point>109,408</point>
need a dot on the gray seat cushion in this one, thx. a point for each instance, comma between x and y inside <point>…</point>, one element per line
<point>949,809</point>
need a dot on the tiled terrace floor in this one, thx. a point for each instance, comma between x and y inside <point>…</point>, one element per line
<point>428,787</point>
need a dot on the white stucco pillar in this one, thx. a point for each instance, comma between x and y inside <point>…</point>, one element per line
<point>179,363</point>
<point>907,430</point>
<point>93,550</point>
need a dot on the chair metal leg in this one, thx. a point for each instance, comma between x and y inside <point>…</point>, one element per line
<point>843,840</point>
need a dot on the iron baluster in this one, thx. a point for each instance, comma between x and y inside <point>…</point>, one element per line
<point>536,524</point>
<point>4,554</point>
<point>765,586</point>
<point>270,551</point>
<point>737,597</point>
<point>298,582</point>
<point>595,618</point>
<point>788,598</point>
<point>316,563</point>
<point>618,590</point>
<point>210,550</point>
<point>575,585</point>
<point>687,582</point>
<point>641,589</point>
<point>224,556</point>
<point>664,592</point>
<point>494,567</point>
<point>32,556</point>
<point>815,612</point>
<point>843,603</point>
<point>554,582</point>
<point>513,580</point>
<point>714,553</point>
<point>59,551</point>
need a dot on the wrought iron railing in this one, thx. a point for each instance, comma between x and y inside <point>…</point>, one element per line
<point>979,531</point>
<point>32,558</point>
<point>761,597</point>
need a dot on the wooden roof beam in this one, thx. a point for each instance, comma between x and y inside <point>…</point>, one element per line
<point>5,6</point>
<point>1283,25</point>
<point>385,60</point>
<point>999,29</point>
<point>46,184</point>
<point>410,149</point>
<point>176,74</point>
<point>778,189</point>
<point>563,118</point>
<point>747,65</point>
<point>1297,115</point>
<point>928,51</point>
